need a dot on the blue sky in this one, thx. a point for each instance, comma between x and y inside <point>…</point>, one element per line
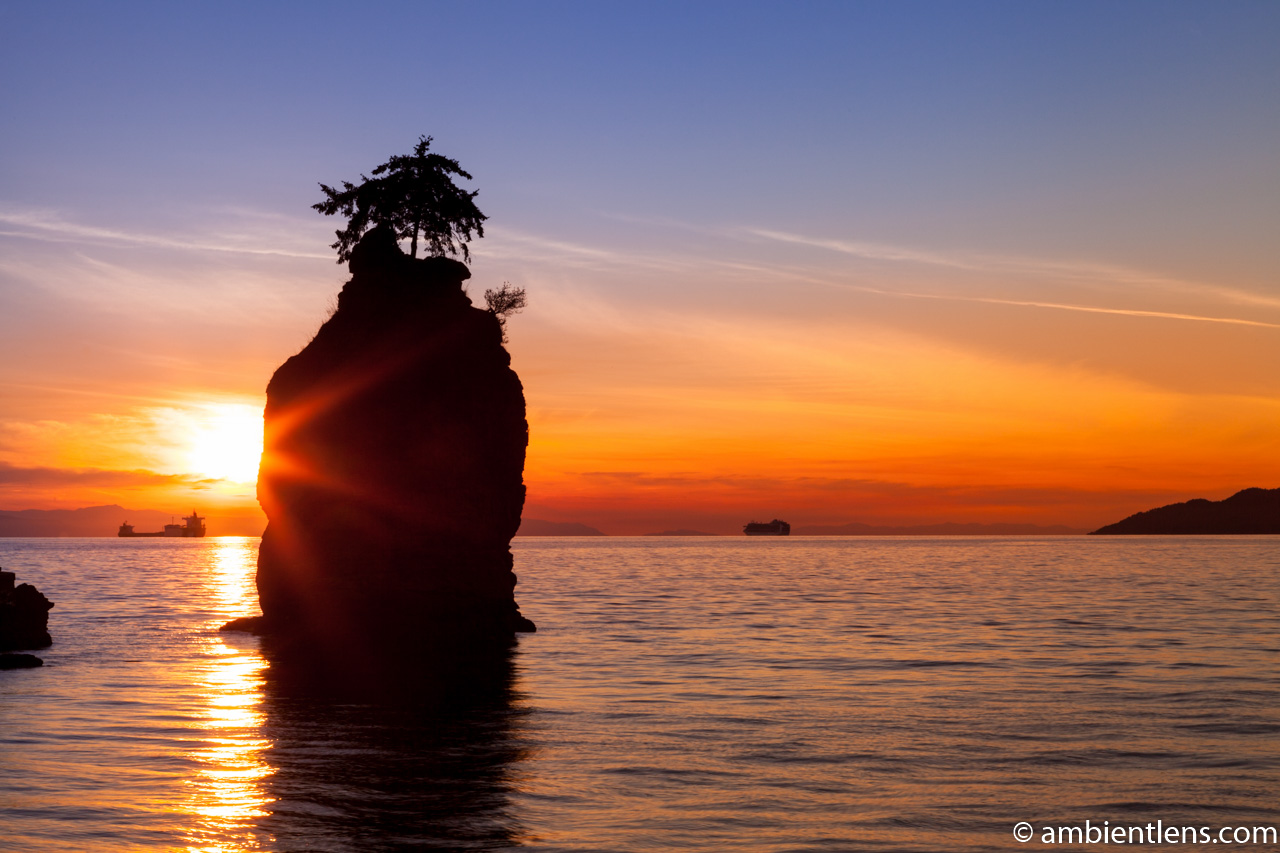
<point>985,125</point>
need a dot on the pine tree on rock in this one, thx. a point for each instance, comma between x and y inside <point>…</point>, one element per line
<point>413,194</point>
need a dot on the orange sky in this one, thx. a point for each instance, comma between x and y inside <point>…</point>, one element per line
<point>886,410</point>
<point>898,392</point>
<point>838,263</point>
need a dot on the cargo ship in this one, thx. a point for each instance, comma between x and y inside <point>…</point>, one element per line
<point>194,527</point>
<point>777,527</point>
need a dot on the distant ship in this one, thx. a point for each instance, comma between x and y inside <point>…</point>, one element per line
<point>194,527</point>
<point>776,527</point>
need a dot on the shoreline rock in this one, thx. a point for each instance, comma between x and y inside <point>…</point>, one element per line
<point>256,625</point>
<point>24,615</point>
<point>12,661</point>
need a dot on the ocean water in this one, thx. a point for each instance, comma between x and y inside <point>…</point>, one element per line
<point>703,694</point>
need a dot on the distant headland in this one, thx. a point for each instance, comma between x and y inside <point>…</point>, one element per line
<point>1251,511</point>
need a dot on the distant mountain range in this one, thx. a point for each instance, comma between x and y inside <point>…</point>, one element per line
<point>1248,511</point>
<point>89,521</point>
<point>538,527</point>
<point>106,521</point>
<point>949,528</point>
<point>683,531</point>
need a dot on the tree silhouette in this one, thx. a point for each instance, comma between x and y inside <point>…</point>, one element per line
<point>503,301</point>
<point>413,194</point>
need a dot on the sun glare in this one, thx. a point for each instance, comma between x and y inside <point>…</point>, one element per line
<point>227,442</point>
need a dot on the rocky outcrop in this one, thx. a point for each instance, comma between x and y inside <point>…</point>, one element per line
<point>20,662</point>
<point>24,615</point>
<point>1251,511</point>
<point>392,473</point>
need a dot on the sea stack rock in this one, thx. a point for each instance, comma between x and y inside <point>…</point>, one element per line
<point>392,473</point>
<point>24,615</point>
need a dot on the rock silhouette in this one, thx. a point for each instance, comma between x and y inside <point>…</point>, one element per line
<point>392,473</point>
<point>1248,511</point>
<point>24,616</point>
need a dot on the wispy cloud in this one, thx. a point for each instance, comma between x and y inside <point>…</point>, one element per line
<point>48,226</point>
<point>534,247</point>
<point>867,251</point>
<point>101,477</point>
<point>1093,309</point>
<point>1079,271</point>
<point>1058,306</point>
<point>528,246</point>
<point>509,244</point>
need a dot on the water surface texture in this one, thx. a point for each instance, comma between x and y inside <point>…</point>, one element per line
<point>681,694</point>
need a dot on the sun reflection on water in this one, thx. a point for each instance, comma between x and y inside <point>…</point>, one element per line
<point>228,797</point>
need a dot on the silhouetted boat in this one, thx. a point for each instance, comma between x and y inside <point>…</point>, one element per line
<point>194,527</point>
<point>776,527</point>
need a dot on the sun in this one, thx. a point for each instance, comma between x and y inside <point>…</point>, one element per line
<point>226,442</point>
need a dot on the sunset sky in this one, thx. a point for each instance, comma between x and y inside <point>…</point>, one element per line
<point>880,262</point>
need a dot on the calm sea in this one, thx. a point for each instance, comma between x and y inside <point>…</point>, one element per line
<point>682,694</point>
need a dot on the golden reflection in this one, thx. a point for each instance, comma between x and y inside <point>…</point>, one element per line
<point>227,796</point>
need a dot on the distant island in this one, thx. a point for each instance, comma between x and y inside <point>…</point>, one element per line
<point>1251,511</point>
<point>538,527</point>
<point>949,528</point>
